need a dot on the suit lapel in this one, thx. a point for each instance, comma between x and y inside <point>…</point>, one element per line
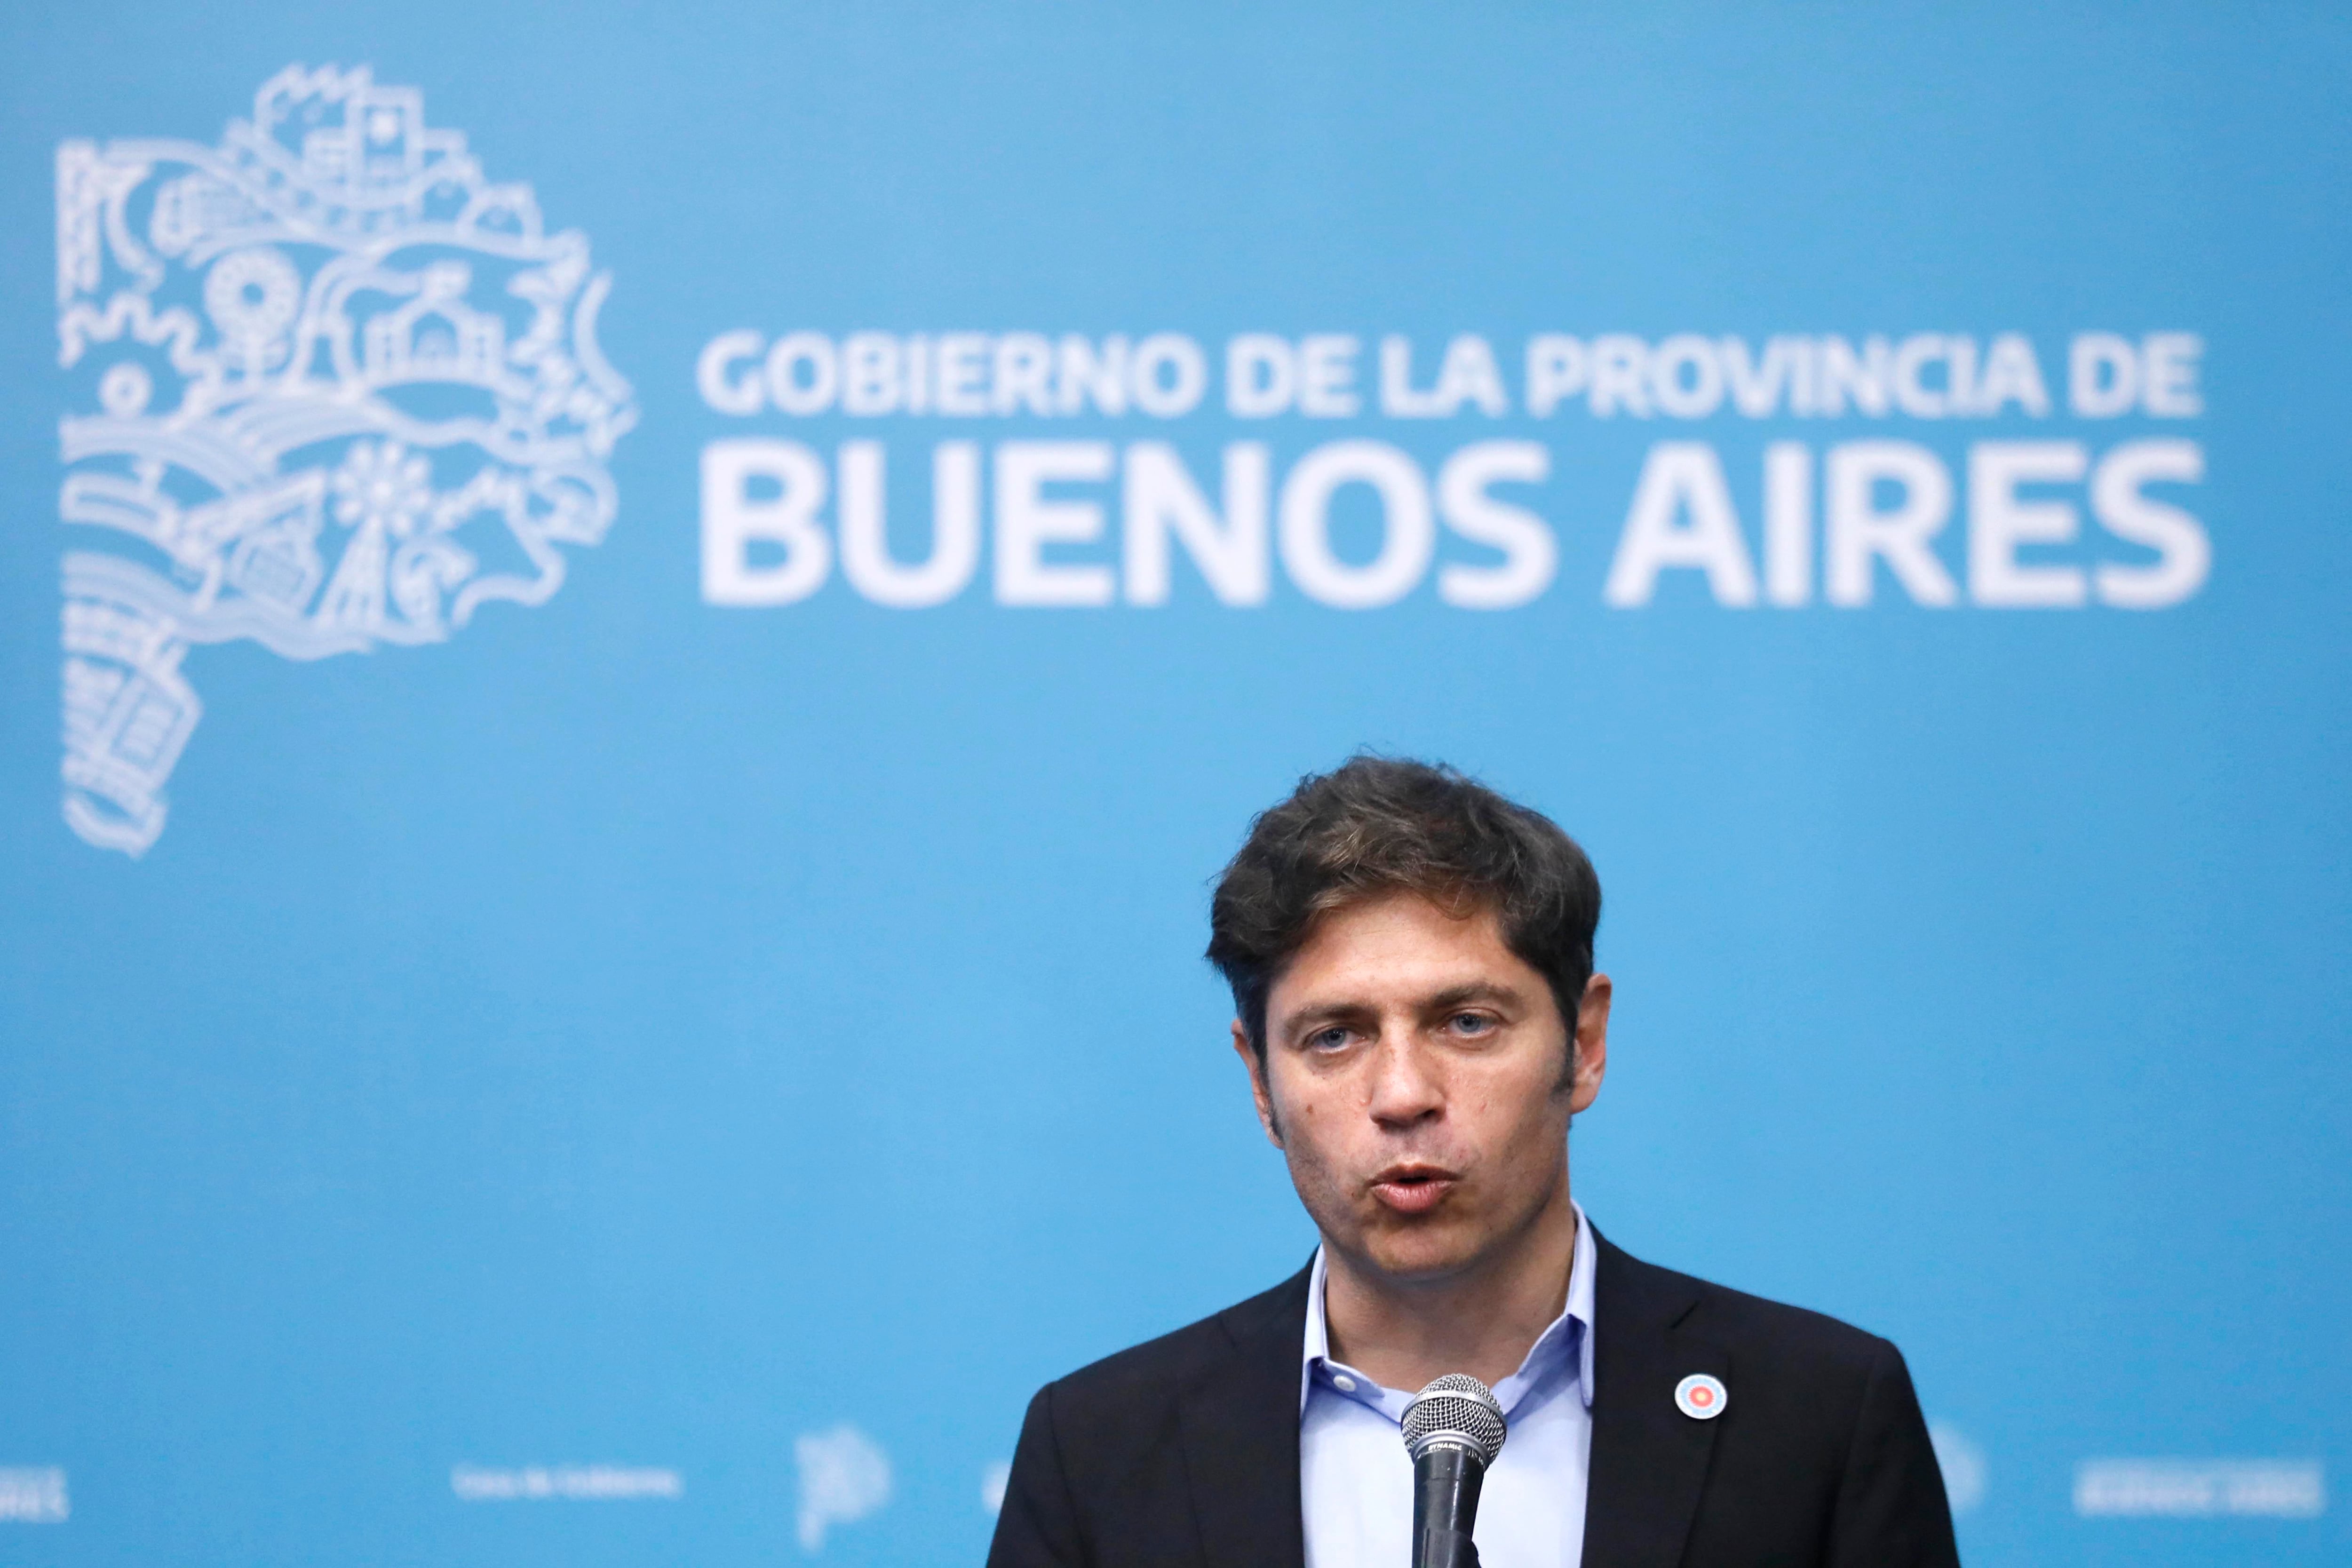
<point>1240,1424</point>
<point>1649,1460</point>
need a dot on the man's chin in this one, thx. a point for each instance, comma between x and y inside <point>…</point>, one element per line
<point>1426,1254</point>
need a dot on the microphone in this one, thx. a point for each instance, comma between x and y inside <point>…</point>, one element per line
<point>1453,1429</point>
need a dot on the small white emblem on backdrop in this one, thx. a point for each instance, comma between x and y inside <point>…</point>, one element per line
<point>34,1495</point>
<point>1963,1464</point>
<point>331,388</point>
<point>2200,1489</point>
<point>844,1477</point>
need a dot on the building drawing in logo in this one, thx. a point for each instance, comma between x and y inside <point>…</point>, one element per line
<point>329,389</point>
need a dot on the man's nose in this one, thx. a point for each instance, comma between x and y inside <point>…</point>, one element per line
<point>1404,1088</point>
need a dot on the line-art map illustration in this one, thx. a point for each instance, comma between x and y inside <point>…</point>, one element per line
<point>331,389</point>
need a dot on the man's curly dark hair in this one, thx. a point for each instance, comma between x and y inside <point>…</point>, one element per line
<point>1376,825</point>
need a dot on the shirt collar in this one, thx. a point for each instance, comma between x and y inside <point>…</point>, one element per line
<point>1571,1331</point>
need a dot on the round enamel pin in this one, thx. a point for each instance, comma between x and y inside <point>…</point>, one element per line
<point>1700,1397</point>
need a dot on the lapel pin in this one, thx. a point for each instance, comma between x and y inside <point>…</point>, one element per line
<point>1700,1397</point>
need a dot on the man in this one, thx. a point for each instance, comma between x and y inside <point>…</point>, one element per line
<point>1410,958</point>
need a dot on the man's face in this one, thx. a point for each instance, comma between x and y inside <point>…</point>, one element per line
<point>1412,1080</point>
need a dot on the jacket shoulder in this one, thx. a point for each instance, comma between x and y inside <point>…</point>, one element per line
<point>1796,1337</point>
<point>1789,1331</point>
<point>1114,1457</point>
<point>1175,1361</point>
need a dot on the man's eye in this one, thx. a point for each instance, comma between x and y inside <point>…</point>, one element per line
<point>1330,1040</point>
<point>1471,1023</point>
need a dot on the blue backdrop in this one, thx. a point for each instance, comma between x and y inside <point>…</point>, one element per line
<point>631,637</point>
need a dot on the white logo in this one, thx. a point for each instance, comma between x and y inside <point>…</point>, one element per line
<point>332,389</point>
<point>35,1496</point>
<point>1964,1466</point>
<point>993,1482</point>
<point>844,1477</point>
<point>2200,1489</point>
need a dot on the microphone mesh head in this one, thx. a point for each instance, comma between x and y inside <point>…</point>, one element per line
<point>1456,1409</point>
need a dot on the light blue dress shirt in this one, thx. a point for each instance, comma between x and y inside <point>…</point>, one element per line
<point>1355,1479</point>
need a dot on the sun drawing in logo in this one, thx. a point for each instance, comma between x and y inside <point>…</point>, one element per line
<point>331,388</point>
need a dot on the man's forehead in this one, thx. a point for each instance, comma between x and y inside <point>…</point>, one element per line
<point>1397,946</point>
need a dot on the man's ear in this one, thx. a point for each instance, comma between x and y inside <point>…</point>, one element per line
<point>1259,1094</point>
<point>1591,1044</point>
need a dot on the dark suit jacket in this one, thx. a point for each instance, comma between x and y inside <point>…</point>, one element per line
<point>1183,1453</point>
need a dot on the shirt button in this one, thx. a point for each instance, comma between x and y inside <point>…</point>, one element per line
<point>1343,1382</point>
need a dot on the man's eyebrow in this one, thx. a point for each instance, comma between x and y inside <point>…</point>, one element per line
<point>1316,1013</point>
<point>1322,1013</point>
<point>1472,991</point>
